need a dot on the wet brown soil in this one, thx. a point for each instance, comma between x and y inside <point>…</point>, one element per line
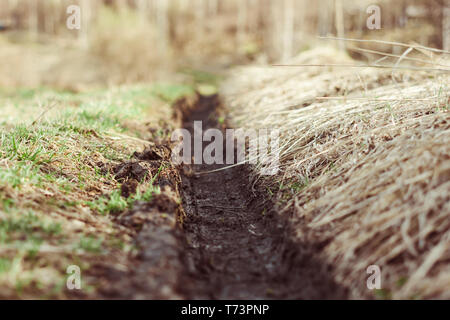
<point>237,246</point>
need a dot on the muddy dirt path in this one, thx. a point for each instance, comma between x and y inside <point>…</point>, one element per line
<point>236,246</point>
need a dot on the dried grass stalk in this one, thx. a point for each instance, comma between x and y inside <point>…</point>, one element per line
<point>373,165</point>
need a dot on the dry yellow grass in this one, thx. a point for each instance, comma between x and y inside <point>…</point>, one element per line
<point>365,159</point>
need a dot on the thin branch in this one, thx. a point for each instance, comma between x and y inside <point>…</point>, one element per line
<point>387,42</point>
<point>362,66</point>
<point>374,99</point>
<point>396,56</point>
<point>43,113</point>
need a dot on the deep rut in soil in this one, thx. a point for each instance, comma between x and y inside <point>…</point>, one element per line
<point>236,246</point>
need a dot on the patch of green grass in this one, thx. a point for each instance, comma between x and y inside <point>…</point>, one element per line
<point>170,92</point>
<point>332,167</point>
<point>22,284</point>
<point>401,281</point>
<point>32,247</point>
<point>5,265</point>
<point>6,204</point>
<point>98,120</point>
<point>114,203</point>
<point>202,77</point>
<point>300,185</point>
<point>50,142</point>
<point>28,225</point>
<point>63,183</point>
<point>111,153</point>
<point>146,196</point>
<point>206,83</point>
<point>28,147</point>
<point>91,244</point>
<point>389,109</point>
<point>69,204</point>
<point>20,174</point>
<point>58,287</point>
<point>25,144</point>
<point>26,93</point>
<point>383,294</point>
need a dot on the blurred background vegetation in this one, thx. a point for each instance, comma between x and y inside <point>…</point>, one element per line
<point>128,41</point>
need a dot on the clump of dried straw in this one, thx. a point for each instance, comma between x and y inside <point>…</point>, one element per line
<point>365,160</point>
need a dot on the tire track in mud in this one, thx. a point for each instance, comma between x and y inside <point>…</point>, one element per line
<point>237,247</point>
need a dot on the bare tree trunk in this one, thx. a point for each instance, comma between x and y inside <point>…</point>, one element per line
<point>86,14</point>
<point>213,7</point>
<point>49,16</point>
<point>142,7</point>
<point>400,14</point>
<point>324,18</point>
<point>253,22</point>
<point>162,21</point>
<point>277,29</point>
<point>340,28</point>
<point>200,14</point>
<point>183,5</point>
<point>4,10</point>
<point>301,13</point>
<point>122,4</point>
<point>242,20</point>
<point>288,33</point>
<point>268,21</point>
<point>446,26</point>
<point>34,18</point>
<point>361,22</point>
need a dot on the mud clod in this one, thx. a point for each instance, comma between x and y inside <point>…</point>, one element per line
<point>147,154</point>
<point>132,171</point>
<point>128,188</point>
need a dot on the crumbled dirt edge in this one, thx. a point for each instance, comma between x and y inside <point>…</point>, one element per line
<point>154,269</point>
